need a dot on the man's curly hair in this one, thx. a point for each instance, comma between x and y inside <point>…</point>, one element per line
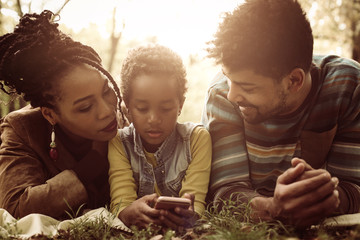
<point>152,59</point>
<point>271,37</point>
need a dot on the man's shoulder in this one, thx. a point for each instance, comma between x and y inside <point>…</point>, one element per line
<point>338,74</point>
<point>219,82</point>
<point>336,64</point>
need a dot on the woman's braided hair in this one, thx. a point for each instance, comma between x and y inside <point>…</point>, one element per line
<point>37,53</point>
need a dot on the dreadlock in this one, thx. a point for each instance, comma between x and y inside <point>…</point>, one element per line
<point>37,53</point>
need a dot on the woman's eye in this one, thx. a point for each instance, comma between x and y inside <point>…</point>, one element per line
<point>85,109</point>
<point>107,91</point>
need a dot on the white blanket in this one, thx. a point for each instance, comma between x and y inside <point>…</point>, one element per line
<point>33,224</point>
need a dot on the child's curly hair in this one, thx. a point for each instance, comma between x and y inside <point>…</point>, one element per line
<point>152,59</point>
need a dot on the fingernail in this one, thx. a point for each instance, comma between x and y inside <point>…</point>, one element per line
<point>336,192</point>
<point>335,180</point>
<point>327,175</point>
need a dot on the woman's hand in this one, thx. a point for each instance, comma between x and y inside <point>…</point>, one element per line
<point>181,218</point>
<point>141,213</point>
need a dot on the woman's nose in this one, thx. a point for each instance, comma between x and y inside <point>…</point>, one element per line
<point>105,109</point>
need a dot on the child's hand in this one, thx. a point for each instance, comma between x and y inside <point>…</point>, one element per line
<point>182,218</point>
<point>140,212</point>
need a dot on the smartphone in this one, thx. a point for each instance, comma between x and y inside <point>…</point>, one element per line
<point>168,203</point>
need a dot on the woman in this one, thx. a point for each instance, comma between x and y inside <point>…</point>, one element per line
<point>53,155</point>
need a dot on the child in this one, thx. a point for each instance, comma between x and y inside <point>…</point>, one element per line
<point>155,155</point>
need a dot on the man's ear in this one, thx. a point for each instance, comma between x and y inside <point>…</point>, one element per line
<point>296,79</point>
<point>49,114</point>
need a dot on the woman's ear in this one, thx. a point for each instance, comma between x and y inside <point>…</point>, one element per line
<point>49,114</point>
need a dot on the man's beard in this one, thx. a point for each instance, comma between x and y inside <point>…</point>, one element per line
<point>280,108</point>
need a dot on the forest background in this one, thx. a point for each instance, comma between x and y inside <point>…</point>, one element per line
<point>112,27</point>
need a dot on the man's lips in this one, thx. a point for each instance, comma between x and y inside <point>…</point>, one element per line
<point>246,110</point>
<point>110,127</point>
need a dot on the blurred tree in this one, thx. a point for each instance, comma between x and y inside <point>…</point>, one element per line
<point>337,21</point>
<point>115,37</point>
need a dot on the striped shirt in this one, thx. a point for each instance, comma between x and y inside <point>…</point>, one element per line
<point>324,131</point>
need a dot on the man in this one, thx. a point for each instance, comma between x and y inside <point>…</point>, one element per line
<point>285,126</point>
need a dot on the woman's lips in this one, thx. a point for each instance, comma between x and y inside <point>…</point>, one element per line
<point>110,127</point>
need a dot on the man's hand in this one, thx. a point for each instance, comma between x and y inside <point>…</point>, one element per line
<point>180,218</point>
<point>302,196</point>
<point>140,212</point>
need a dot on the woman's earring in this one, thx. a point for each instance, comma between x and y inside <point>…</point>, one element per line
<point>53,151</point>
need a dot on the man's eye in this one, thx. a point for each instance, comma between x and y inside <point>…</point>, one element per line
<point>249,90</point>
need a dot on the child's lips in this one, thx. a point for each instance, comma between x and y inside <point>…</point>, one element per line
<point>154,133</point>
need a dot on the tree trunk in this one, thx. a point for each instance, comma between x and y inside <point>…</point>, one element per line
<point>115,39</point>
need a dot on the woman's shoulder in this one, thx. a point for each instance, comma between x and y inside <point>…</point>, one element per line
<point>26,113</point>
<point>24,119</point>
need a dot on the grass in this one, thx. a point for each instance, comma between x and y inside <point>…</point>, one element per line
<point>232,223</point>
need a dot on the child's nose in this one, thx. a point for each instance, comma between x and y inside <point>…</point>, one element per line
<point>154,118</point>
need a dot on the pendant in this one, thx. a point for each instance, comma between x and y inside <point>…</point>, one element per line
<point>54,154</point>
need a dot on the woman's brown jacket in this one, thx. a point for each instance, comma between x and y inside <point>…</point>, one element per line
<point>30,181</point>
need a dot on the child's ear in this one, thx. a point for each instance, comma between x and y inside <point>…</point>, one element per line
<point>181,106</point>
<point>128,114</point>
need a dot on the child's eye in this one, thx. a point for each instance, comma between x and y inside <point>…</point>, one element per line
<point>140,109</point>
<point>167,109</point>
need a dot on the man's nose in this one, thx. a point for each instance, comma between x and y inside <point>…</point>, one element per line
<point>234,94</point>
